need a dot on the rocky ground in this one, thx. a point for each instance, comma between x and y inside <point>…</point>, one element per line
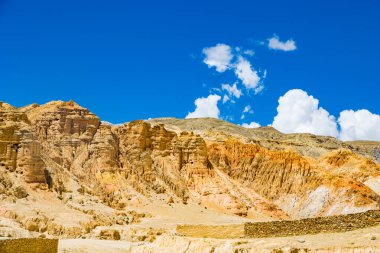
<point>359,241</point>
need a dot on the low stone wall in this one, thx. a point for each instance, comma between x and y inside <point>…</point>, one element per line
<point>29,245</point>
<point>328,224</point>
<point>204,231</point>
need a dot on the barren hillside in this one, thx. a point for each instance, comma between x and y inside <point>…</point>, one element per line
<point>65,173</point>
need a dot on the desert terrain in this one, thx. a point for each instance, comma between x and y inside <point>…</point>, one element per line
<point>99,187</point>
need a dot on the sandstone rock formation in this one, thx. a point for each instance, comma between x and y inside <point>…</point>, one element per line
<point>62,153</point>
<point>19,149</point>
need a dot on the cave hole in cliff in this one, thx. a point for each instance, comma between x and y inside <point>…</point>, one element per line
<point>15,146</point>
<point>48,178</point>
<point>209,165</point>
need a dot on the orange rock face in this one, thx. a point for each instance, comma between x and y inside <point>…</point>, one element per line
<point>282,176</point>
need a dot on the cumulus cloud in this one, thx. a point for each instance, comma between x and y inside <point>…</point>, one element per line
<point>232,90</point>
<point>224,57</point>
<point>276,44</point>
<point>246,74</point>
<point>251,125</point>
<point>359,125</point>
<point>297,112</point>
<point>218,56</point>
<point>206,107</point>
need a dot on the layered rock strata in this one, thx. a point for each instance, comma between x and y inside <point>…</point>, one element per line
<point>260,174</point>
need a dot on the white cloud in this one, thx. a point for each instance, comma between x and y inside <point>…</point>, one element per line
<point>297,112</point>
<point>359,125</point>
<point>232,90</point>
<point>222,57</point>
<point>248,109</point>
<point>225,99</point>
<point>276,44</point>
<point>250,125</point>
<point>218,56</point>
<point>112,124</point>
<point>206,107</point>
<point>249,52</point>
<point>265,74</point>
<point>259,89</point>
<point>246,74</point>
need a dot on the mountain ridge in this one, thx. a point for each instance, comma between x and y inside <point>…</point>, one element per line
<point>62,152</point>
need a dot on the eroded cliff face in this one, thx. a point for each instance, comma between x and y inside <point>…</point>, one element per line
<point>298,185</point>
<point>158,160</point>
<point>64,129</point>
<point>262,175</point>
<point>19,149</point>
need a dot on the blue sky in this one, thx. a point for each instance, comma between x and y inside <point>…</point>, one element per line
<point>128,60</point>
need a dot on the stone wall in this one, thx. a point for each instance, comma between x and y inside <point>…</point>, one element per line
<point>29,245</point>
<point>318,225</point>
<point>205,231</point>
<point>328,224</point>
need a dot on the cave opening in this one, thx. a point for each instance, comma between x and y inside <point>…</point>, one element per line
<point>48,178</point>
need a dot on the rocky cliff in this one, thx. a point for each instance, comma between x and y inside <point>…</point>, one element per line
<point>62,149</point>
<point>19,148</point>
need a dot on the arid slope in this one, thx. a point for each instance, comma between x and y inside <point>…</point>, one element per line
<point>114,175</point>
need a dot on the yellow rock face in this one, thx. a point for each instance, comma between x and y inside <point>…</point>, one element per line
<point>19,149</point>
